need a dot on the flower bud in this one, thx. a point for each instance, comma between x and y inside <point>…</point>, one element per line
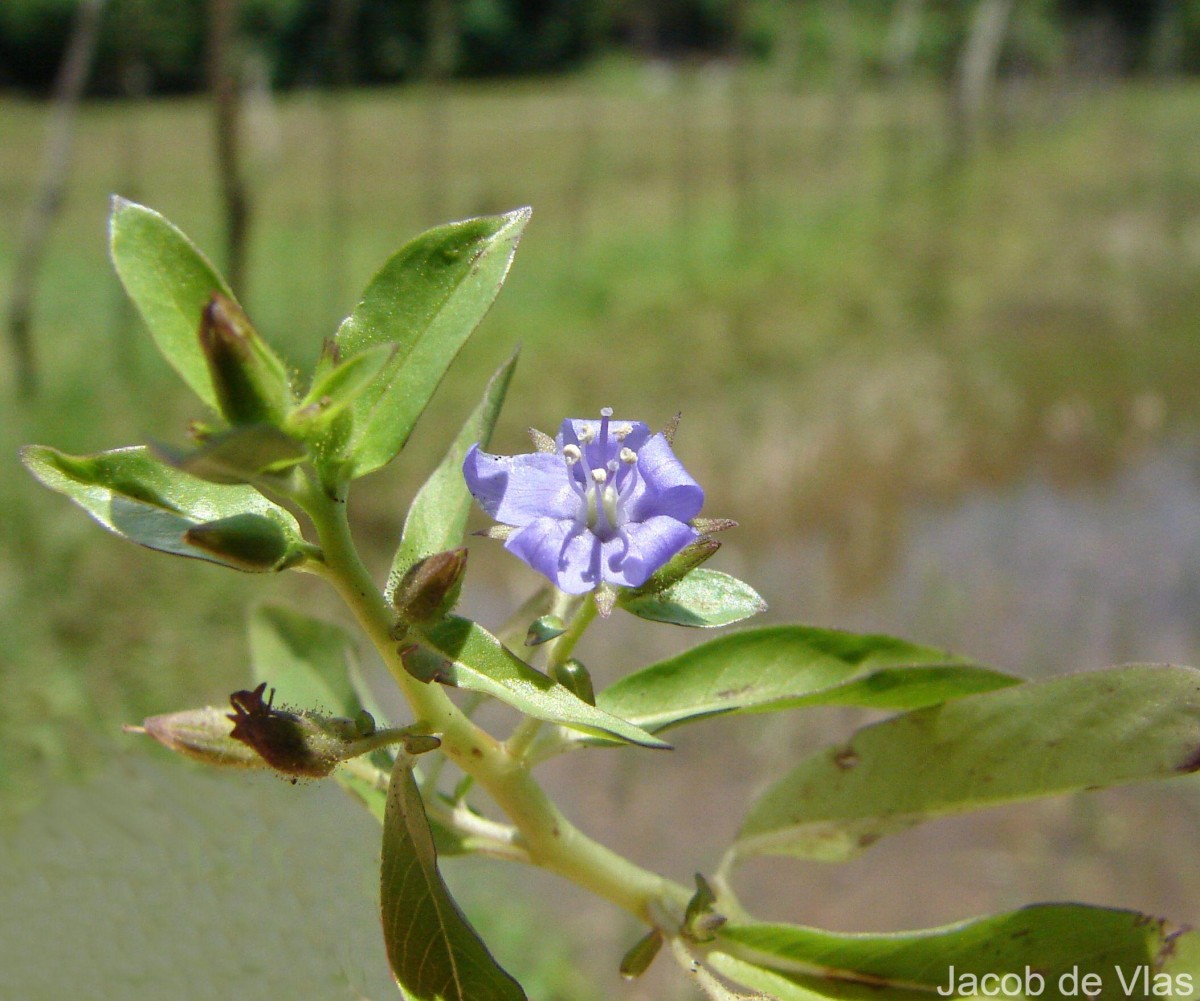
<point>257,735</point>
<point>249,542</point>
<point>251,382</point>
<point>643,952</point>
<point>544,629</point>
<point>576,678</point>
<point>430,588</point>
<point>204,734</point>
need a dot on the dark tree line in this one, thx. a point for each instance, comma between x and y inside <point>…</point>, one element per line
<point>397,40</point>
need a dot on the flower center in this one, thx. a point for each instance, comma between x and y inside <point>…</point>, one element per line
<point>603,472</point>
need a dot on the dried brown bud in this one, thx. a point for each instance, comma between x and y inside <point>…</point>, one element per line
<point>429,589</point>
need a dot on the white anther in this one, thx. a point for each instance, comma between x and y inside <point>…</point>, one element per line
<point>628,456</point>
<point>623,432</point>
<point>606,411</point>
<point>572,454</point>
<point>587,435</point>
<point>600,475</point>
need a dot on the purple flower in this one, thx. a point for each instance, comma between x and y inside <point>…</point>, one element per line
<point>611,504</point>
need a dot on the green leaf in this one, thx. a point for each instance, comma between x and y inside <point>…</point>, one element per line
<point>170,282</point>
<point>786,667</point>
<point>437,519</point>
<point>313,665</point>
<point>240,455</point>
<point>427,299</point>
<point>434,952</point>
<point>703,598</point>
<point>1084,731</point>
<point>1129,953</point>
<point>306,660</point>
<point>475,660</point>
<point>132,493</point>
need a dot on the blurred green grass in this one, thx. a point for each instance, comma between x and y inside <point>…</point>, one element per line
<point>885,324</point>
<point>888,325</point>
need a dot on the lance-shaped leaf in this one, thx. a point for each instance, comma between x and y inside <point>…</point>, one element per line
<point>703,598</point>
<point>434,952</point>
<point>1126,954</point>
<point>475,660</point>
<point>171,283</point>
<point>427,299</point>
<point>785,667</point>
<point>132,493</point>
<point>437,519</point>
<point>1083,731</point>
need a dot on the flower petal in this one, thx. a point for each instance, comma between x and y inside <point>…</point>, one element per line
<point>651,544</point>
<point>516,489</point>
<point>566,553</point>
<point>668,488</point>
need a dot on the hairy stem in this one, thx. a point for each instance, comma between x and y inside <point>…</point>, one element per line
<point>546,836</point>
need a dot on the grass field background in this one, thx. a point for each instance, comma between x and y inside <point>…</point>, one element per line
<point>947,396</point>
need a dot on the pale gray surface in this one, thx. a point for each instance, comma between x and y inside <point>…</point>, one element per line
<point>160,881</point>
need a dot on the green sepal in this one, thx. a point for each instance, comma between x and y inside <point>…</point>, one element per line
<point>676,568</point>
<point>144,500</point>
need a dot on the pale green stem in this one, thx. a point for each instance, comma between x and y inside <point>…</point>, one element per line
<point>562,646</point>
<point>548,838</point>
<point>559,649</point>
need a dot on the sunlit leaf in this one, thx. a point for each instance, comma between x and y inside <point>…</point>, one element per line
<point>786,667</point>
<point>473,659</point>
<point>437,518</point>
<point>1084,731</point>
<point>426,300</point>
<point>306,660</point>
<point>132,493</point>
<point>1130,955</point>
<point>704,598</point>
<point>434,952</point>
<point>170,282</point>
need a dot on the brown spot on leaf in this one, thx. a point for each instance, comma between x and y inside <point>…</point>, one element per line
<point>1190,764</point>
<point>846,758</point>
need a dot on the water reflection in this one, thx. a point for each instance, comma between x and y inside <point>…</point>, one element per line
<point>1048,575</point>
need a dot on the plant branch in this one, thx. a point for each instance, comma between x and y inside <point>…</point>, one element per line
<point>544,834</point>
